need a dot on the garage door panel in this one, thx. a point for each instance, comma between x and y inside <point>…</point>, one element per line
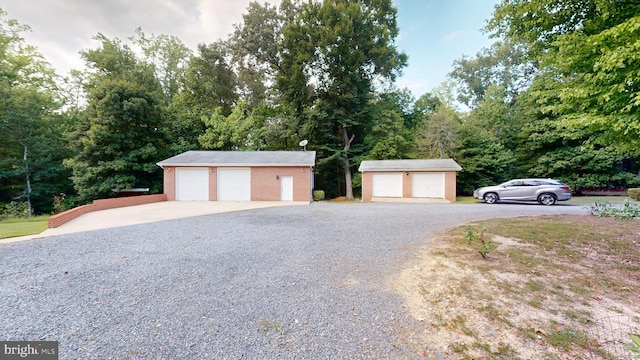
<point>234,184</point>
<point>192,184</point>
<point>387,185</point>
<point>428,185</point>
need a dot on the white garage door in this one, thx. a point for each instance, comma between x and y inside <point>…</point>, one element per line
<point>192,184</point>
<point>427,185</point>
<point>387,185</point>
<point>234,184</point>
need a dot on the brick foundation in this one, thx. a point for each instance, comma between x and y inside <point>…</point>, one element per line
<point>103,204</point>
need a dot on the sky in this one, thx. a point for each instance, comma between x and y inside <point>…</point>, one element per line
<point>433,33</point>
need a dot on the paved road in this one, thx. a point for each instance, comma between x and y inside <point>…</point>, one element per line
<point>311,281</point>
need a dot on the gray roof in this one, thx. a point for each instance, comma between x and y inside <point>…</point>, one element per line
<point>242,158</point>
<point>410,165</point>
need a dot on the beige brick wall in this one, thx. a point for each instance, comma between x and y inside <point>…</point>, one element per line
<point>407,181</point>
<point>450,186</point>
<point>265,183</point>
<point>367,186</point>
<point>169,183</point>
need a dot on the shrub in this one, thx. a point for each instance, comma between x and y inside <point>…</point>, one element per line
<point>318,195</point>
<point>15,209</point>
<point>634,193</point>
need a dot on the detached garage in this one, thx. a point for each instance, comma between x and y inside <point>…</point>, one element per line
<point>429,179</point>
<point>239,176</point>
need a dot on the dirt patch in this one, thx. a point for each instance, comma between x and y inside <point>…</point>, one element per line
<point>555,287</point>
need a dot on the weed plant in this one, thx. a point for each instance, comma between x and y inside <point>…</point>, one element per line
<point>626,211</point>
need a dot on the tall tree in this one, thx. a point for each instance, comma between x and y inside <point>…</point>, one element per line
<point>210,82</point>
<point>389,132</point>
<point>547,147</point>
<point>169,58</point>
<point>437,137</point>
<point>590,50</point>
<point>484,160</point>
<point>255,47</point>
<point>121,135</point>
<point>504,65</point>
<point>334,52</point>
<point>231,132</point>
<point>27,105</point>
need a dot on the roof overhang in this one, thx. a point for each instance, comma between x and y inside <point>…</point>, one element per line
<point>241,159</point>
<point>409,165</point>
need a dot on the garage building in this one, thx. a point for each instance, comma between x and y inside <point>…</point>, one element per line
<point>239,176</point>
<point>427,179</point>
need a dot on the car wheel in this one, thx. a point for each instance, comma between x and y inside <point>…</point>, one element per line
<point>547,199</point>
<point>490,198</point>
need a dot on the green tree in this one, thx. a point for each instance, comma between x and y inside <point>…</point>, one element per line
<point>588,50</point>
<point>333,53</point>
<point>438,135</point>
<point>29,138</point>
<point>387,135</point>
<point>227,132</point>
<point>483,159</point>
<point>503,65</point>
<point>547,147</point>
<point>210,82</point>
<point>120,137</point>
<point>255,47</point>
<point>169,58</point>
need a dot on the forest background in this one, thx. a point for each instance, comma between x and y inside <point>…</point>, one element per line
<point>556,95</point>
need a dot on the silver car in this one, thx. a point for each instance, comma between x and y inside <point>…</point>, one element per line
<point>544,191</point>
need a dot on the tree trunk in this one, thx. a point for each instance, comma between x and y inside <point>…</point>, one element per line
<point>346,163</point>
<point>28,176</point>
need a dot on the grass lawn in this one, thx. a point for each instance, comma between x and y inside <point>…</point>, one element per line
<point>23,226</point>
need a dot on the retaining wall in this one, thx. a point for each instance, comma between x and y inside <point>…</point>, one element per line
<point>103,204</point>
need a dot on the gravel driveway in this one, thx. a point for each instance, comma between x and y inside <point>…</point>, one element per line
<point>290,282</point>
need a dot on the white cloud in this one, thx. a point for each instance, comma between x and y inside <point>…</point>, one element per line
<point>63,28</point>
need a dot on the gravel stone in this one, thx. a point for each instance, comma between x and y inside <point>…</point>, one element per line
<point>304,282</point>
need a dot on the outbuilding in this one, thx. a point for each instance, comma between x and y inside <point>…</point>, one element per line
<point>425,179</point>
<point>239,176</point>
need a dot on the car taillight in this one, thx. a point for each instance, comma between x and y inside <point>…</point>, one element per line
<point>565,188</point>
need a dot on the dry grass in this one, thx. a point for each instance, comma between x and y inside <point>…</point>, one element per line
<point>540,295</point>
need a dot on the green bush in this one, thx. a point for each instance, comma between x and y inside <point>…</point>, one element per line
<point>634,193</point>
<point>318,195</point>
<point>15,209</point>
